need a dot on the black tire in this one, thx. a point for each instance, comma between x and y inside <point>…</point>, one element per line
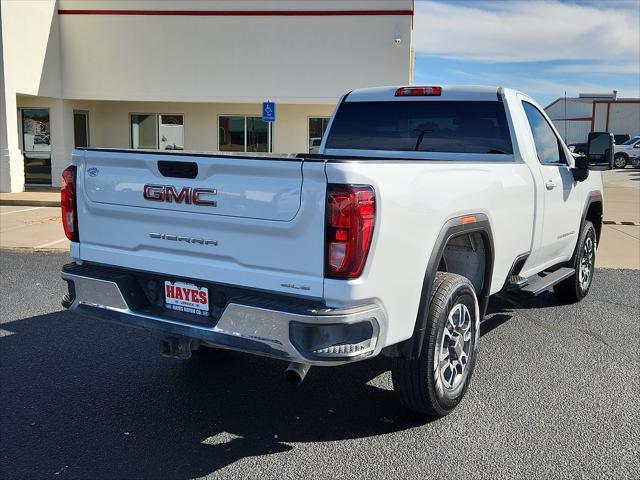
<point>421,386</point>
<point>206,354</point>
<point>620,160</point>
<point>574,289</point>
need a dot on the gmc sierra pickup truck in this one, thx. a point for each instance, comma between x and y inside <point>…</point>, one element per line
<point>420,204</point>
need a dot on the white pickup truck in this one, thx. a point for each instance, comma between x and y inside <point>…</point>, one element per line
<point>421,203</point>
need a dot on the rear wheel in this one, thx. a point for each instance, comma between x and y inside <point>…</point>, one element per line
<point>435,382</point>
<point>577,286</point>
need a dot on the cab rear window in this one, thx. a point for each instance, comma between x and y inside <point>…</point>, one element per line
<point>422,126</point>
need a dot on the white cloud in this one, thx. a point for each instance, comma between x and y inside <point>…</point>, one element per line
<point>537,85</point>
<point>526,31</point>
<point>595,68</point>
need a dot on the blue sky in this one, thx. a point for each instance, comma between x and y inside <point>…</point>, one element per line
<point>542,47</point>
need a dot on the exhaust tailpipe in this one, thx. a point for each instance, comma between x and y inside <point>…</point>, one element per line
<point>296,372</point>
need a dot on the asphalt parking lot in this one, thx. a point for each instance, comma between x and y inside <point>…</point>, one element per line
<point>554,395</point>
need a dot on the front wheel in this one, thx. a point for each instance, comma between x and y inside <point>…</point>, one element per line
<point>577,286</point>
<point>620,161</point>
<point>435,382</point>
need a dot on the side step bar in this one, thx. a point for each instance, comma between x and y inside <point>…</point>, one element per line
<point>546,280</point>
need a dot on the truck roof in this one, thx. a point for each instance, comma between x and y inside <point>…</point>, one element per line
<point>449,92</point>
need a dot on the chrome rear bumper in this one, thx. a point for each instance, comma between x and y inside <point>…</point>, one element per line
<point>322,336</point>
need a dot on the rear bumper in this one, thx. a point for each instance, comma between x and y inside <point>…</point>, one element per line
<point>313,335</point>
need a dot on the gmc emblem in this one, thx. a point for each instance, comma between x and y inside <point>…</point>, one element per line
<point>188,195</point>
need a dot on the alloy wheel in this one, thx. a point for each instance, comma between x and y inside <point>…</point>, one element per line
<point>585,272</point>
<point>620,162</point>
<point>452,353</point>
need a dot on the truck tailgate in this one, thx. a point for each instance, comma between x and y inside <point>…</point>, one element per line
<point>255,222</point>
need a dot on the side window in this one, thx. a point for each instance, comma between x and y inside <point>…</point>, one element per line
<point>547,144</point>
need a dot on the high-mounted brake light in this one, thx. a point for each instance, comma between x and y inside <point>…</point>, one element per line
<point>351,214</point>
<point>419,92</point>
<point>68,203</point>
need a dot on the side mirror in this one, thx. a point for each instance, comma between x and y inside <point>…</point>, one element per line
<point>580,170</point>
<point>600,151</point>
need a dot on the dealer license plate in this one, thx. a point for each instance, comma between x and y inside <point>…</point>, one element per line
<point>186,297</point>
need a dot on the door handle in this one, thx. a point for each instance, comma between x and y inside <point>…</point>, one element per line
<point>550,185</point>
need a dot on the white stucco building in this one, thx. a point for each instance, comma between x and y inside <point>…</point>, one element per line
<point>575,117</point>
<point>186,74</point>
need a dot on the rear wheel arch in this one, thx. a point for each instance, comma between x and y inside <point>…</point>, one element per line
<point>452,233</point>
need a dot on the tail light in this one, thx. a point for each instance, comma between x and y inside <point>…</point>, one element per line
<point>351,214</point>
<point>68,203</point>
<point>419,92</point>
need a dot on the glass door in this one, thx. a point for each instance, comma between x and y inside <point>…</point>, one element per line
<point>36,146</point>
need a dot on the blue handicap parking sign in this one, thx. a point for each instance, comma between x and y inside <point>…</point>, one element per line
<point>268,111</point>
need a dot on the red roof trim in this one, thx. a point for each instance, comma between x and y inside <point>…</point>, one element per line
<point>592,100</point>
<point>616,101</point>
<point>240,13</point>
<point>576,119</point>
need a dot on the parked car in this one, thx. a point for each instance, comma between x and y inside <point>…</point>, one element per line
<point>625,152</point>
<point>421,204</point>
<point>619,139</point>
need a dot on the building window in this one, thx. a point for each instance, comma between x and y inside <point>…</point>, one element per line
<point>157,131</point>
<point>81,128</point>
<point>317,127</point>
<point>239,133</point>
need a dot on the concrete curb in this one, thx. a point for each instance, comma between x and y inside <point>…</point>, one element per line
<point>34,250</point>
<point>28,203</point>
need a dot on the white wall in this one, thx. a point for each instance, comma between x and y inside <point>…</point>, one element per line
<point>625,118</point>
<point>600,117</point>
<point>573,131</point>
<point>31,40</point>
<point>292,59</point>
<point>574,109</point>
